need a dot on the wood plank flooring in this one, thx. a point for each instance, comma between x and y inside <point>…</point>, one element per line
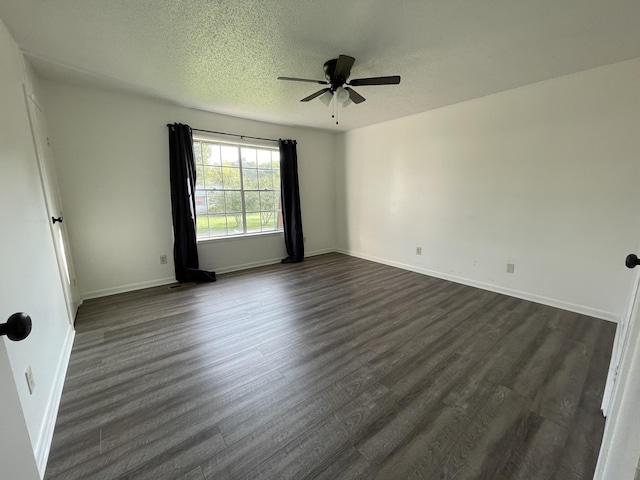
<point>336,368</point>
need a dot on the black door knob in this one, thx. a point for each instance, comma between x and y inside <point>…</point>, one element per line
<point>18,327</point>
<point>54,220</point>
<point>632,260</point>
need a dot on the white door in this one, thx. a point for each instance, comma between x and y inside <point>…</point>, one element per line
<point>52,199</point>
<point>620,449</point>
<point>621,343</point>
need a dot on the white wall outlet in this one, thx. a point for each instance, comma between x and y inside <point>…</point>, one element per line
<point>304,239</point>
<point>163,259</point>
<point>30,381</point>
<point>418,250</point>
<point>510,267</point>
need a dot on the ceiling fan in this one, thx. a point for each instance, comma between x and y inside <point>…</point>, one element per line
<point>337,72</point>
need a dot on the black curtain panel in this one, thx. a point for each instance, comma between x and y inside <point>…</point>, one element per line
<point>290,191</point>
<point>183,207</point>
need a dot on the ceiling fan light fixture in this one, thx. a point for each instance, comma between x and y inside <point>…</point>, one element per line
<point>342,96</point>
<point>326,97</point>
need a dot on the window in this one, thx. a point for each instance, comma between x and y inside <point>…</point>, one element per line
<point>237,190</point>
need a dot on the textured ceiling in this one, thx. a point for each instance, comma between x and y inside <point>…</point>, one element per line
<point>224,56</point>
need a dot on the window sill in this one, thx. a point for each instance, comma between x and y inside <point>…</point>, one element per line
<point>238,237</point>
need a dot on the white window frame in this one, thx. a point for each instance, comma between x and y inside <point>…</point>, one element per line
<point>211,139</point>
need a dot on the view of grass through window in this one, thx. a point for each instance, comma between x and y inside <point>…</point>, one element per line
<point>237,189</point>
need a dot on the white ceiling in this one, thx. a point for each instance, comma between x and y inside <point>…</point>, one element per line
<point>224,56</point>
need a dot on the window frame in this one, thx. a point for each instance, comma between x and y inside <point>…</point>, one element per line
<point>239,145</point>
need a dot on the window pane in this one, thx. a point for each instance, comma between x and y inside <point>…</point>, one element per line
<point>213,177</point>
<point>253,222</point>
<point>268,220</point>
<point>218,225</point>
<point>275,160</point>
<point>252,201</point>
<point>231,178</point>
<point>211,154</point>
<point>201,202</point>
<point>264,179</point>
<point>215,202</point>
<point>264,158</point>
<point>248,157</point>
<point>275,178</point>
<point>229,156</point>
<point>250,178</point>
<point>197,152</point>
<point>202,226</point>
<point>234,201</point>
<point>277,199</point>
<point>199,177</point>
<point>267,201</point>
<point>234,224</point>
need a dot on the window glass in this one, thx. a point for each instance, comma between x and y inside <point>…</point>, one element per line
<point>237,189</point>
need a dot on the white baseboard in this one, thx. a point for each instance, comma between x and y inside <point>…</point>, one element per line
<point>127,288</point>
<point>43,444</point>
<point>552,302</point>
<point>270,261</point>
<point>323,251</point>
<point>76,306</point>
<point>246,266</point>
<point>166,281</point>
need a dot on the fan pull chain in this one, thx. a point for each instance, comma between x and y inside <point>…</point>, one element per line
<point>334,108</point>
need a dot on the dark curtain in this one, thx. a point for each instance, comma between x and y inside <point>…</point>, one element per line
<point>183,207</point>
<point>290,191</point>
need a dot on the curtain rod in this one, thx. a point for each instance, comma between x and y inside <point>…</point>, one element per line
<point>230,134</point>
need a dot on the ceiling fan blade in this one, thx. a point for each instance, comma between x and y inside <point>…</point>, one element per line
<point>314,95</point>
<point>343,67</point>
<point>354,96</point>
<point>321,82</point>
<point>393,80</point>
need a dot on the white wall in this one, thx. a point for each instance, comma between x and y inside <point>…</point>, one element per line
<point>29,282</point>
<point>544,176</point>
<point>112,162</point>
<point>17,459</point>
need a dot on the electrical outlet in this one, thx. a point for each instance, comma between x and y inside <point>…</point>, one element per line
<point>30,381</point>
<point>510,267</point>
<point>304,239</point>
<point>418,250</point>
<point>163,259</point>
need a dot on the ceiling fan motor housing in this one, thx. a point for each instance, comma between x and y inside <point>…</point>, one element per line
<point>329,73</point>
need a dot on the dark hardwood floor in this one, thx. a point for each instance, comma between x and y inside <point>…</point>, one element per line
<point>336,368</point>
